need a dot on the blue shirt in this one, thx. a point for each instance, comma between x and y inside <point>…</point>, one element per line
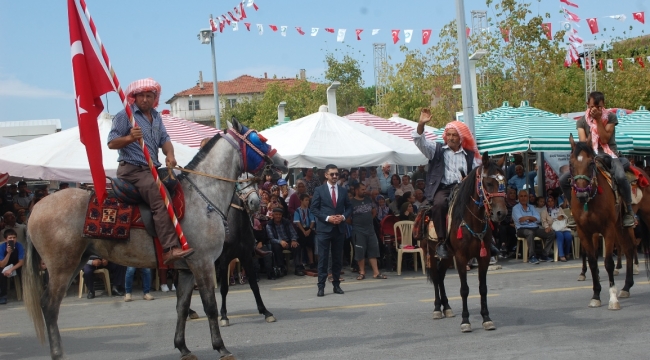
<point>518,212</point>
<point>154,135</point>
<point>384,182</point>
<point>19,247</point>
<point>304,217</point>
<point>518,182</point>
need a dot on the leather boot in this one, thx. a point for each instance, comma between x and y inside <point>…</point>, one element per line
<point>628,217</point>
<point>176,253</point>
<point>259,253</point>
<point>441,250</point>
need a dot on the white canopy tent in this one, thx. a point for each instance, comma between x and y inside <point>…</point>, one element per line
<point>62,156</point>
<point>7,141</point>
<point>323,138</point>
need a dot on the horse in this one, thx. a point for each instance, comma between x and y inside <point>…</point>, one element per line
<point>239,245</point>
<point>591,192</point>
<point>208,190</point>
<point>478,202</point>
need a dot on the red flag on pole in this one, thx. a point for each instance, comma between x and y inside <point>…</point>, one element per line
<point>569,3</point>
<point>232,16</point>
<point>248,26</point>
<point>600,65</point>
<point>225,19</point>
<point>358,31</point>
<point>273,27</point>
<point>426,35</point>
<point>546,27</point>
<point>395,36</point>
<point>639,16</point>
<point>299,29</point>
<point>91,81</point>
<point>593,25</point>
<point>329,30</point>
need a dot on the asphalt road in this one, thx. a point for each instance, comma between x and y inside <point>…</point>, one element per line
<point>540,312</point>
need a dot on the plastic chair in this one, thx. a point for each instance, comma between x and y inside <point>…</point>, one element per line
<point>107,281</point>
<point>525,249</point>
<point>406,236</point>
<point>228,272</point>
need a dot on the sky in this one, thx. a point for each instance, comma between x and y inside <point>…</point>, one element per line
<point>158,39</point>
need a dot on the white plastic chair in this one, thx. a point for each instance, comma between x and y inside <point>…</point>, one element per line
<point>107,281</point>
<point>406,230</point>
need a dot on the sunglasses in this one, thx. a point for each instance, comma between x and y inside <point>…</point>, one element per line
<point>333,174</point>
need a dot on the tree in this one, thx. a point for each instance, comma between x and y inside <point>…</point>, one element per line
<point>347,71</point>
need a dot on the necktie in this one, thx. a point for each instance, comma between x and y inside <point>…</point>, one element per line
<point>333,197</point>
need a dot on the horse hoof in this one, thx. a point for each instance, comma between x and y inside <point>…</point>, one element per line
<point>624,294</point>
<point>189,357</point>
<point>224,323</point>
<point>228,357</point>
<point>437,315</point>
<point>449,313</point>
<point>489,325</point>
<point>594,303</point>
<point>270,319</point>
<point>635,271</point>
<point>465,328</point>
<point>615,272</point>
<point>582,278</point>
<point>614,306</point>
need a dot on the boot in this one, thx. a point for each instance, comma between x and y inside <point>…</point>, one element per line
<point>441,250</point>
<point>628,217</point>
<point>176,253</point>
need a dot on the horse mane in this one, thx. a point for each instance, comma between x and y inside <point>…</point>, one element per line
<point>200,156</point>
<point>583,146</point>
<point>464,195</point>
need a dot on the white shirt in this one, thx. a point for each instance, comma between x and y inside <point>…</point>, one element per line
<point>453,159</point>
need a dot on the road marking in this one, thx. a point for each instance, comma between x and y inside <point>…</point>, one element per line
<point>460,298</point>
<point>102,327</point>
<point>576,288</point>
<point>8,334</point>
<point>311,286</point>
<point>345,307</point>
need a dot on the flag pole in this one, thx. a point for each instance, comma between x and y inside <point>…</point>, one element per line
<point>127,108</point>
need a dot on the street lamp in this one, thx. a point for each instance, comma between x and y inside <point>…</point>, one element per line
<point>206,36</point>
<point>478,55</point>
<point>192,103</point>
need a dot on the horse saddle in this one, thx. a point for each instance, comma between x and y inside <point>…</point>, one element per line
<point>632,173</point>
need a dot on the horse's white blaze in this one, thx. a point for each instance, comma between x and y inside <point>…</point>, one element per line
<point>580,157</point>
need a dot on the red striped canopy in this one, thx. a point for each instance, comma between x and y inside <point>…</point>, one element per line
<point>393,128</point>
<point>187,132</point>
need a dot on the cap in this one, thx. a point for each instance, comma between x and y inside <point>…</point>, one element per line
<point>278,210</point>
<point>282,182</point>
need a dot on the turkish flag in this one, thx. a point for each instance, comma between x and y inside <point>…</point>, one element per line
<point>468,31</point>
<point>213,26</point>
<point>395,36</point>
<point>91,81</point>
<point>299,30</point>
<point>329,30</point>
<point>506,34</point>
<point>620,63</point>
<point>226,19</point>
<point>593,25</point>
<point>639,16</point>
<point>569,3</point>
<point>600,65</point>
<point>426,35</point>
<point>232,16</point>
<point>359,33</point>
<point>273,27</point>
<point>242,11</point>
<point>546,27</point>
<point>640,60</point>
<point>248,26</point>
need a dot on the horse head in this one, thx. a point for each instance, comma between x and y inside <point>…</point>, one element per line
<point>583,169</point>
<point>491,186</point>
<point>256,153</point>
<point>247,192</point>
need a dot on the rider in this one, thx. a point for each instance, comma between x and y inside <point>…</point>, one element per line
<point>143,96</point>
<point>603,141</point>
<point>449,163</point>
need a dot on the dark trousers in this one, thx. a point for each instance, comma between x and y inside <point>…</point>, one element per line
<point>439,211</point>
<point>278,255</point>
<point>141,178</point>
<point>324,241</point>
<point>306,241</point>
<point>117,273</point>
<point>4,281</point>
<point>530,233</point>
<point>507,236</point>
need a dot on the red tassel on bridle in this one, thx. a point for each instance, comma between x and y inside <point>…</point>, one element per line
<point>483,252</point>
<point>459,233</point>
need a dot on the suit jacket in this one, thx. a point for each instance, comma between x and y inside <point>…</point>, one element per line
<point>322,207</point>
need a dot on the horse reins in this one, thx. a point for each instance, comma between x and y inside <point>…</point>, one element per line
<point>592,187</point>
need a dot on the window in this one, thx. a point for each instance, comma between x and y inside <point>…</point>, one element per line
<point>232,103</point>
<point>194,105</point>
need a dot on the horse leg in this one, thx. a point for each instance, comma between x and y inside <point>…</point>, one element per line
<point>442,272</point>
<point>247,263</point>
<point>203,275</point>
<point>482,289</point>
<point>629,248</point>
<point>435,279</point>
<point>183,298</point>
<point>461,262</point>
<point>223,289</point>
<point>588,243</point>
<point>619,261</point>
<point>582,276</point>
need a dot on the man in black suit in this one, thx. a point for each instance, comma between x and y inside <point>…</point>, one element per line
<point>331,206</point>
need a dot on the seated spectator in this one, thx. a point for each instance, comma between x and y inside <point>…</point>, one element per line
<point>372,181</point>
<point>382,209</point>
<point>305,224</point>
<point>10,223</point>
<point>115,272</point>
<point>363,232</point>
<point>540,206</point>
<point>262,214</point>
<point>558,222</point>
<point>526,219</point>
<point>420,200</point>
<point>420,184</point>
<point>294,199</point>
<point>6,201</point>
<point>274,202</point>
<point>507,231</point>
<point>406,186</point>
<point>517,160</point>
<point>343,178</point>
<point>519,180</point>
<point>373,194</point>
<point>282,236</point>
<point>532,199</point>
<point>407,212</point>
<point>23,198</point>
<point>285,190</point>
<point>408,197</point>
<point>146,283</point>
<point>12,257</point>
<point>63,186</point>
<point>395,184</point>
<point>275,190</point>
<point>262,244</point>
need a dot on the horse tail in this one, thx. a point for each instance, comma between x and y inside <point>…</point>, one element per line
<point>645,245</point>
<point>33,289</point>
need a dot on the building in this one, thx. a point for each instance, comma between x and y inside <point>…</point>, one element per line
<point>197,103</point>
<point>28,129</point>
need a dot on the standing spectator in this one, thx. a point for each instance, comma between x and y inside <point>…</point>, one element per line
<point>382,209</point>
<point>116,273</point>
<point>311,181</point>
<point>330,206</point>
<point>420,174</point>
<point>10,223</point>
<point>395,184</point>
<point>563,235</point>
<point>363,231</point>
<point>519,180</point>
<point>283,236</point>
<point>305,224</point>
<point>384,178</point>
<point>294,199</point>
<point>12,257</point>
<point>526,219</point>
<point>146,283</point>
<point>372,182</point>
<point>6,200</point>
<point>420,200</point>
<point>343,178</point>
<point>511,171</point>
<point>23,198</point>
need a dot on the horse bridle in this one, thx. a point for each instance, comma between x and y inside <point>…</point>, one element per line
<point>484,196</point>
<point>592,188</point>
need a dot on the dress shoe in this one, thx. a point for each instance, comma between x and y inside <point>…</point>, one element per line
<point>259,253</point>
<point>338,290</point>
<point>175,254</point>
<point>148,296</point>
<point>116,292</point>
<point>441,251</point>
<point>321,292</point>
<point>91,295</point>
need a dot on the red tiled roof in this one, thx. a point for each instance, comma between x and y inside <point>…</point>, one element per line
<point>244,84</point>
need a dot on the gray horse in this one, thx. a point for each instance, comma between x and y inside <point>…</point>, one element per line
<point>207,200</point>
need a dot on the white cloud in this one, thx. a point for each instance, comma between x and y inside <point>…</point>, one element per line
<point>11,87</point>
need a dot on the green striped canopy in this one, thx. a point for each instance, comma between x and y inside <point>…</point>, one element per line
<point>636,126</point>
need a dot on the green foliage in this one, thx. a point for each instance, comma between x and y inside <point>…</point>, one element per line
<point>347,70</point>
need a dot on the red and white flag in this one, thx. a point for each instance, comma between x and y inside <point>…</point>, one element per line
<point>232,16</point>
<point>299,30</point>
<point>640,60</point>
<point>225,19</point>
<point>330,30</point>
<point>359,31</point>
<point>575,39</point>
<point>593,25</point>
<point>248,26</point>
<point>242,11</point>
<point>546,27</point>
<point>620,63</point>
<point>426,35</point>
<point>506,34</point>
<point>273,27</point>
<point>213,26</point>
<point>91,81</point>
<point>3,179</point>
<point>250,3</point>
<point>571,16</point>
<point>569,3</point>
<point>639,16</point>
<point>395,34</point>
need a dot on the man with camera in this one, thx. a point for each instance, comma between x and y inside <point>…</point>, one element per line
<point>10,224</point>
<point>12,255</point>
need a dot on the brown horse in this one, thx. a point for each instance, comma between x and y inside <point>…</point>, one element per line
<point>59,242</point>
<point>479,202</point>
<point>596,211</point>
